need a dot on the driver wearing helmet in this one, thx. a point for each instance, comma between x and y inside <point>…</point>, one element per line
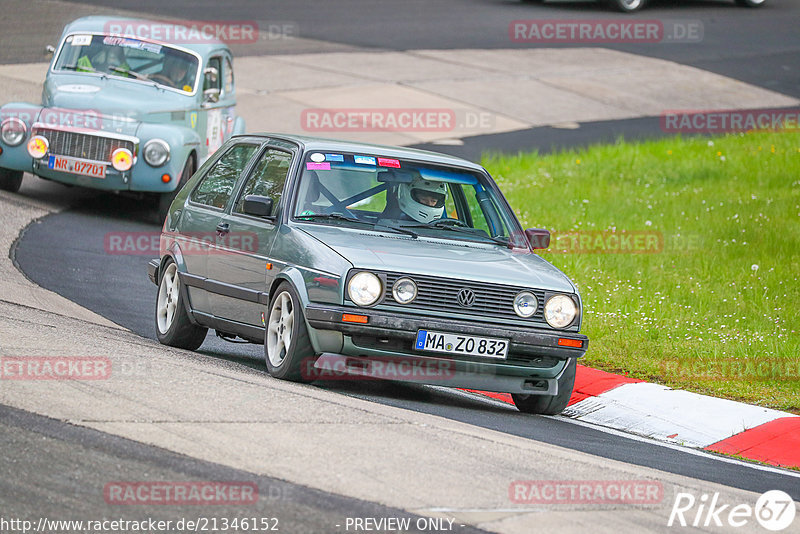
<point>422,200</point>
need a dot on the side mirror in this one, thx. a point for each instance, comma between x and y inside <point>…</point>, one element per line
<point>49,50</point>
<point>258,206</point>
<point>210,96</point>
<point>539,238</point>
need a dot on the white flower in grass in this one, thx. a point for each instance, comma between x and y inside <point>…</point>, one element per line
<point>754,267</point>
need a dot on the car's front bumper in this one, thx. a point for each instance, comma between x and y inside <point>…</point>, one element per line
<point>534,362</point>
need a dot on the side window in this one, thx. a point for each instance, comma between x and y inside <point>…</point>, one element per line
<point>211,82</point>
<point>216,186</point>
<point>228,75</point>
<point>267,178</point>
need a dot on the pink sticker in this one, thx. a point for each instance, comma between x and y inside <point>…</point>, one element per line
<point>386,162</point>
<point>318,166</point>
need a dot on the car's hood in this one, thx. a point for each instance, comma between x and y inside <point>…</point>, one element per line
<point>124,100</point>
<point>439,257</point>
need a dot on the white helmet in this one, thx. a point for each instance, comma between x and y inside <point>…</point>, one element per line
<point>422,200</point>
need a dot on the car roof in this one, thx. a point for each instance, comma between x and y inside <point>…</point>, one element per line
<point>98,23</point>
<point>338,145</point>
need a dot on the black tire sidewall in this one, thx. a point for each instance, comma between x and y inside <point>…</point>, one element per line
<point>300,350</point>
<point>550,404</point>
<point>10,180</point>
<point>182,333</point>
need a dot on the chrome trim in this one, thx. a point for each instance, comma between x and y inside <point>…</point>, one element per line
<point>163,144</point>
<point>97,133</point>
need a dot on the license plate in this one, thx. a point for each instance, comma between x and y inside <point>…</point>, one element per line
<point>77,166</point>
<point>458,344</point>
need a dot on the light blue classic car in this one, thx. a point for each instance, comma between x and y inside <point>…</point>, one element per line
<point>121,112</point>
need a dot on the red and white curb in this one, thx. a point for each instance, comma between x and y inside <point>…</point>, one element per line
<point>682,418</point>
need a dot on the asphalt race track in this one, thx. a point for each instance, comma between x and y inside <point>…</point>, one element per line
<point>65,253</point>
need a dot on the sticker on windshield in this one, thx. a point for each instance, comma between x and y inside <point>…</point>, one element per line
<point>132,43</point>
<point>386,162</point>
<point>334,157</point>
<point>317,157</point>
<point>318,166</point>
<point>81,40</point>
<point>364,160</point>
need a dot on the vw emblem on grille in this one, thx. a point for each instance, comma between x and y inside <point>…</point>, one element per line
<point>466,297</point>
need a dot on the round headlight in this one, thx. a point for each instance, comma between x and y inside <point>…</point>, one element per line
<point>525,304</point>
<point>156,152</point>
<point>13,131</point>
<point>364,288</point>
<point>404,290</point>
<point>560,311</point>
<point>122,159</point>
<point>38,146</point>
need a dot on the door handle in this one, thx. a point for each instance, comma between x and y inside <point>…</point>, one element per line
<point>223,228</point>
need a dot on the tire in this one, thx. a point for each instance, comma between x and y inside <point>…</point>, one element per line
<point>627,6</point>
<point>10,180</point>
<point>751,3</point>
<point>165,199</point>
<point>549,404</point>
<point>173,326</point>
<point>287,326</point>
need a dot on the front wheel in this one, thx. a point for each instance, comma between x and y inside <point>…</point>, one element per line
<point>10,180</point>
<point>751,3</point>
<point>549,404</point>
<point>287,348</point>
<point>627,6</point>
<point>173,326</point>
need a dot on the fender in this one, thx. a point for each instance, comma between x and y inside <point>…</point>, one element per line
<point>182,143</point>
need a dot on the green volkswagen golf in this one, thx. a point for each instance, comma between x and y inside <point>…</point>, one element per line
<point>357,261</point>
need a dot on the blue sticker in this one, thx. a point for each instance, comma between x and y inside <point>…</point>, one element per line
<point>334,157</point>
<point>420,345</point>
<point>365,160</point>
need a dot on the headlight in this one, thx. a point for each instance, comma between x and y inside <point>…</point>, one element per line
<point>404,290</point>
<point>122,159</point>
<point>364,288</point>
<point>13,131</point>
<point>156,152</point>
<point>560,311</point>
<point>38,146</point>
<point>525,304</point>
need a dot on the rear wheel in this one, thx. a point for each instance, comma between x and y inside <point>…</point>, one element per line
<point>165,199</point>
<point>549,404</point>
<point>627,6</point>
<point>287,347</point>
<point>173,326</point>
<point>10,180</point>
<point>751,3</point>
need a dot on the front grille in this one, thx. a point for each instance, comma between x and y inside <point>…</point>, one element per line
<point>441,294</point>
<point>83,146</point>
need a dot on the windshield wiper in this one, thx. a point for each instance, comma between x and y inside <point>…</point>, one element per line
<point>82,68</point>
<point>445,224</point>
<point>398,229</point>
<point>131,72</point>
<point>340,217</point>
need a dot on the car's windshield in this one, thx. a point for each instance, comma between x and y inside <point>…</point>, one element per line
<point>129,58</point>
<point>418,199</point>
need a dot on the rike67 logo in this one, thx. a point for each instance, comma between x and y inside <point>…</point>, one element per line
<point>774,510</point>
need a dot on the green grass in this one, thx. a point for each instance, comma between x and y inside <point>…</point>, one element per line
<point>722,292</point>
